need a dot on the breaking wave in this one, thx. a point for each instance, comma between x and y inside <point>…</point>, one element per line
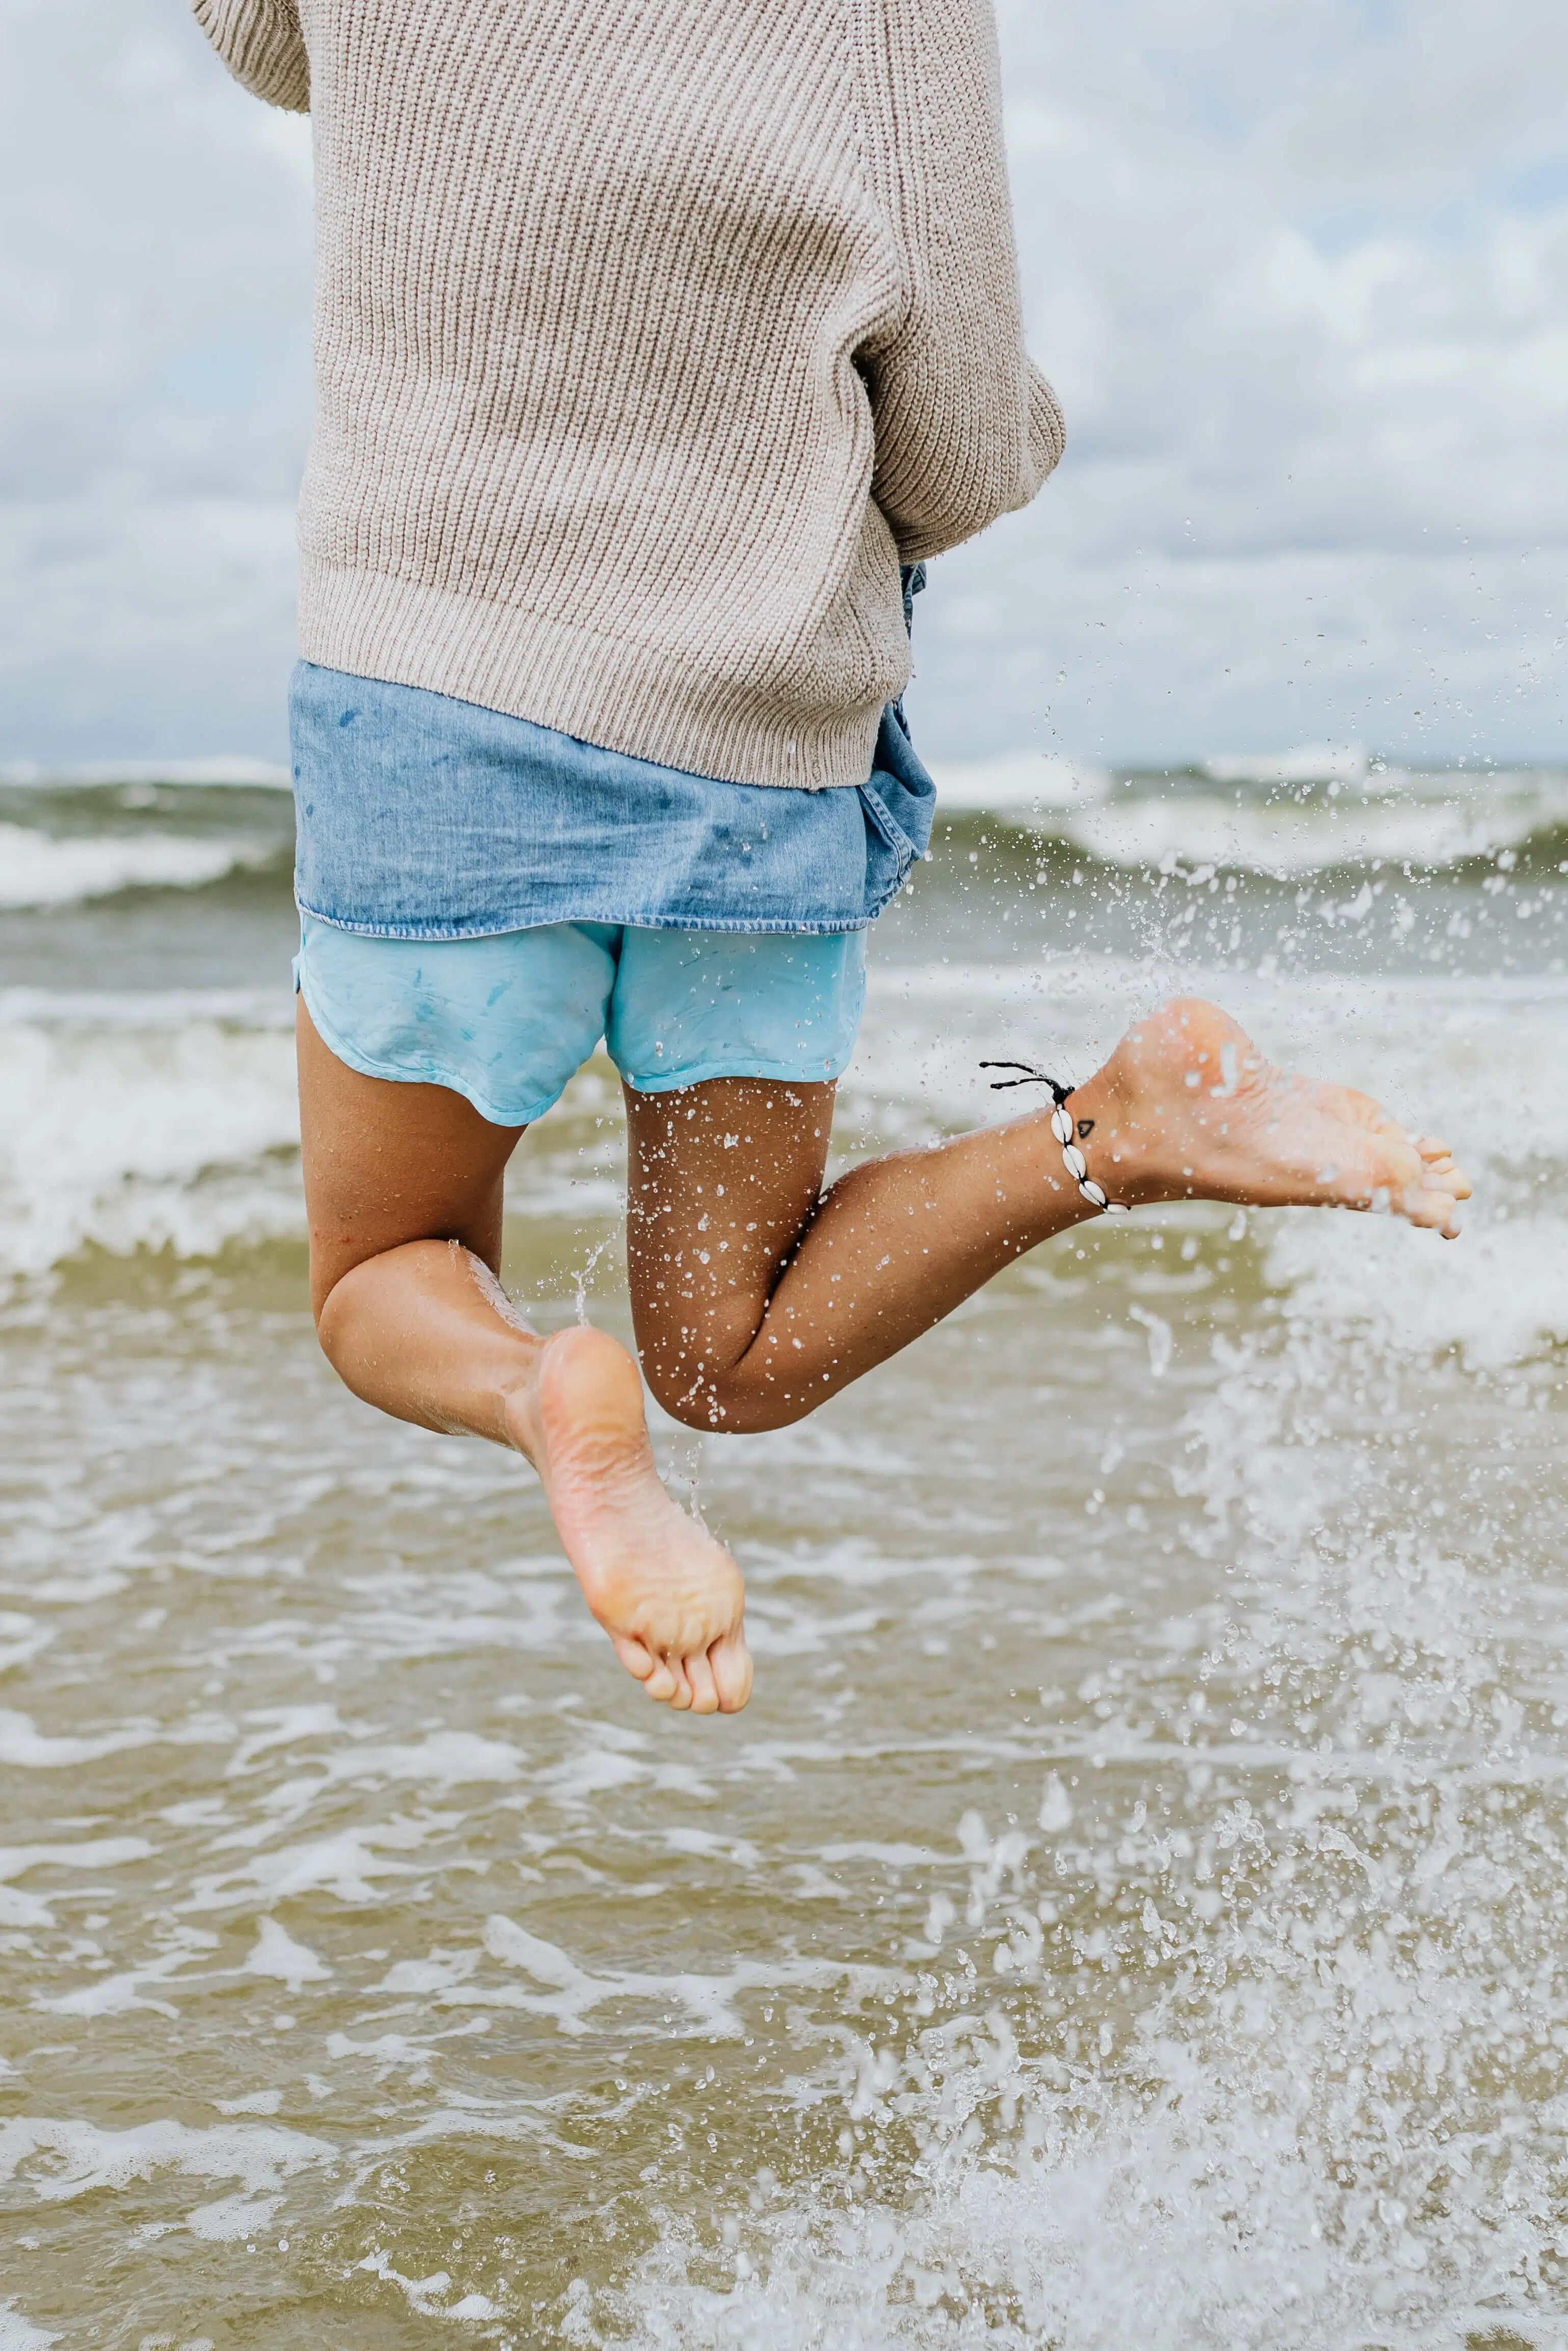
<point>42,870</point>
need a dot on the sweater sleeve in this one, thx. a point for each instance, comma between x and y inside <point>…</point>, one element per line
<point>262,46</point>
<point>966,426</point>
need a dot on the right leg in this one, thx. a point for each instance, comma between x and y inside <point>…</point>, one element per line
<point>404,1193</point>
<point>756,1295</point>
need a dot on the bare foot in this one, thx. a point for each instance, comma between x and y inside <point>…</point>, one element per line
<point>669,1596</point>
<point>1187,1108</point>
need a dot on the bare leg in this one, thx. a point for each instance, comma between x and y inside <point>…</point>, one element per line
<point>755,1296</point>
<point>404,1191</point>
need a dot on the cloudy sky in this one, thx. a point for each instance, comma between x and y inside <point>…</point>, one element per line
<point>1299,273</point>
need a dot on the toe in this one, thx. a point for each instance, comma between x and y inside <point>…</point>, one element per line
<point>731,1662</point>
<point>653,1673</point>
<point>1436,1211</point>
<point>1440,1175</point>
<point>681,1696</point>
<point>705,1691</point>
<point>639,1662</point>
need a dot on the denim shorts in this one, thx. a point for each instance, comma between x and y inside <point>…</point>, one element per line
<point>505,1020</point>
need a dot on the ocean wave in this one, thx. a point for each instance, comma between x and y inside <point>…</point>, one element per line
<point>157,1128</point>
<point>1287,840</point>
<point>1426,823</point>
<point>1027,784</point>
<point>1313,763</point>
<point>39,870</point>
<point>168,1121</point>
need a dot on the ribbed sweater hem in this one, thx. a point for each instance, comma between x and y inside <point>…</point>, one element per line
<point>622,696</point>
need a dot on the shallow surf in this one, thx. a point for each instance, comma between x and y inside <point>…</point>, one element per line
<point>1135,1898</point>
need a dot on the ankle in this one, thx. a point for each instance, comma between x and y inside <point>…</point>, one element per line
<point>1120,1154</point>
<point>517,1408</point>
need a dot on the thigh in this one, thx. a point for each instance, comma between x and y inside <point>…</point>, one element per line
<point>421,1062</point>
<point>688,1006</point>
<point>388,1162</point>
<point>724,1177</point>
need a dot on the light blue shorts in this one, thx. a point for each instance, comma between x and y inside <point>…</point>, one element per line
<point>507,1020</point>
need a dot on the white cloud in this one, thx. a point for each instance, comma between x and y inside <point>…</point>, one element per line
<point>154,395</point>
<point>1301,275</point>
<point>1314,357</point>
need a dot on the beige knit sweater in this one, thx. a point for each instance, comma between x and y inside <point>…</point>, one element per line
<point>650,335</point>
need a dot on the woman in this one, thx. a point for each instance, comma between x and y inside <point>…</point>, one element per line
<point>657,347</point>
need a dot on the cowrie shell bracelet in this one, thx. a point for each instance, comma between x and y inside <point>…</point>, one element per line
<point>1061,1127</point>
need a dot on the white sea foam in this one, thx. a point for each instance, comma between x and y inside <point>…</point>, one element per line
<point>169,1121</point>
<point>1306,2124</point>
<point>39,869</point>
<point>277,1954</point>
<point>428,2297</point>
<point>447,1758</point>
<point>60,2160</point>
<point>22,1638</point>
<point>19,2333</point>
<point>19,1908</point>
<point>258,2102</point>
<point>1290,838</point>
<point>25,1747</point>
<point>118,1994</point>
<point>570,1993</point>
<point>1287,839</point>
<point>1180,2227</point>
<point>346,1866</point>
<point>148,1130</point>
<point>1297,815</point>
<point>1501,1294</point>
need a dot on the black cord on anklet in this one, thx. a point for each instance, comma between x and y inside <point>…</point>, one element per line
<point>1073,1158</point>
<point>1031,1077</point>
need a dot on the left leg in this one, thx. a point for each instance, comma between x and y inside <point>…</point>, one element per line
<point>404,1193</point>
<point>755,1295</point>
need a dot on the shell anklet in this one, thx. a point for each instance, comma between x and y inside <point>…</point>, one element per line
<point>1061,1127</point>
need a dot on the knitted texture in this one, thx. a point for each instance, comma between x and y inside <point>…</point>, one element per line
<point>650,336</point>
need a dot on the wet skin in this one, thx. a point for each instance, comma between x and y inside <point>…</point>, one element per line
<point>756,1294</point>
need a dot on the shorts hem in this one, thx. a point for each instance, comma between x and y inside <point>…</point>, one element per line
<point>506,926</point>
<point>368,1066</point>
<point>776,1072</point>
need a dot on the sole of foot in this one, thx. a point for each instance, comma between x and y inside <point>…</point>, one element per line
<point>670,1597</point>
<point>1187,1108</point>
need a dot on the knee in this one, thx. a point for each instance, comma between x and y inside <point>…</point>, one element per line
<point>331,1307</point>
<point>340,1296</point>
<point>344,1273</point>
<point>688,1394</point>
<point>720,1404</point>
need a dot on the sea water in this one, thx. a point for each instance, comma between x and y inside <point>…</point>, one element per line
<point>1133,1908</point>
